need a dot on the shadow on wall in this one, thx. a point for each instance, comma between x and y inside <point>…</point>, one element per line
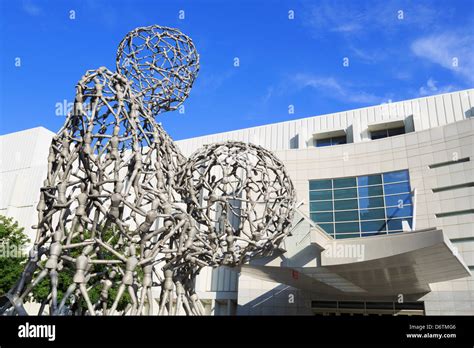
<point>281,300</point>
<point>287,300</point>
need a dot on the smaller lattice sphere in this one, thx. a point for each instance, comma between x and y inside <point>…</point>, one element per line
<point>162,64</point>
<point>242,197</point>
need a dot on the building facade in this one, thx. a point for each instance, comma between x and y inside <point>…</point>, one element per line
<point>385,223</point>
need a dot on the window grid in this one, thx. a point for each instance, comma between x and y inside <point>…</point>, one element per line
<point>386,218</point>
<point>384,202</point>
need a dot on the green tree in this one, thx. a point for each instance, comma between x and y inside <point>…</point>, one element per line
<point>13,259</point>
<point>12,253</point>
<point>65,276</point>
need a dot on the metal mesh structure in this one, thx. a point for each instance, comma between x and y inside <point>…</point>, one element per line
<point>125,221</point>
<point>110,183</point>
<point>241,196</point>
<point>162,64</point>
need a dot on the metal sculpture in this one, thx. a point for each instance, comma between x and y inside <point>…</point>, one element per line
<point>125,215</point>
<point>241,196</point>
<point>161,63</point>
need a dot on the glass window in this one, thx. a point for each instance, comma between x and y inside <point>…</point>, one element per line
<point>396,224</point>
<point>320,184</point>
<point>328,228</point>
<point>368,191</point>
<point>378,134</point>
<point>374,233</point>
<point>345,182</point>
<point>398,200</point>
<point>331,141</point>
<point>345,204</point>
<point>323,142</point>
<point>384,133</point>
<point>320,195</point>
<point>371,202</point>
<point>364,206</point>
<point>406,211</point>
<point>369,180</point>
<point>320,206</point>
<point>339,140</point>
<point>348,215</point>
<point>401,175</point>
<point>397,188</point>
<point>347,235</point>
<point>373,226</point>
<point>372,214</point>
<point>347,227</point>
<point>345,193</point>
<point>322,217</point>
<point>396,131</point>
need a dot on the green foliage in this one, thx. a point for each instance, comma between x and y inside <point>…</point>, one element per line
<point>12,256</point>
<point>41,291</point>
<point>13,259</point>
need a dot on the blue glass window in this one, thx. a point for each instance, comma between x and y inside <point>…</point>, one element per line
<point>397,188</point>
<point>396,224</point>
<point>345,193</point>
<point>372,214</point>
<point>370,202</point>
<point>347,227</point>
<point>329,228</point>
<point>345,182</point>
<point>320,184</point>
<point>364,206</point>
<point>369,180</point>
<point>320,195</point>
<point>373,226</point>
<point>345,204</point>
<point>348,215</point>
<point>398,200</point>
<point>384,133</point>
<point>322,217</point>
<point>369,191</point>
<point>401,175</point>
<point>347,235</point>
<point>331,141</point>
<point>320,206</point>
<point>396,212</point>
<point>323,142</point>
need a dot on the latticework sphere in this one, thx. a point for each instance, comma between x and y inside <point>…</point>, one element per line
<point>162,64</point>
<point>243,198</point>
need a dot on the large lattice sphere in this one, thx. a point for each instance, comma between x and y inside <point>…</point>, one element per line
<point>243,198</point>
<point>162,64</point>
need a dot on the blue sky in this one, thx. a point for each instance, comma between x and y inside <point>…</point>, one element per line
<point>396,50</point>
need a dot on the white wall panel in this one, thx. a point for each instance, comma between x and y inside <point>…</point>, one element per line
<point>427,113</point>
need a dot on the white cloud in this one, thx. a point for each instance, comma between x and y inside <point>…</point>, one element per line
<point>449,50</point>
<point>366,55</point>
<point>267,95</point>
<point>331,87</point>
<point>356,17</point>
<point>30,8</point>
<point>431,87</point>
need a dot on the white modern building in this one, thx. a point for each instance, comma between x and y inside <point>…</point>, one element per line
<point>385,223</point>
